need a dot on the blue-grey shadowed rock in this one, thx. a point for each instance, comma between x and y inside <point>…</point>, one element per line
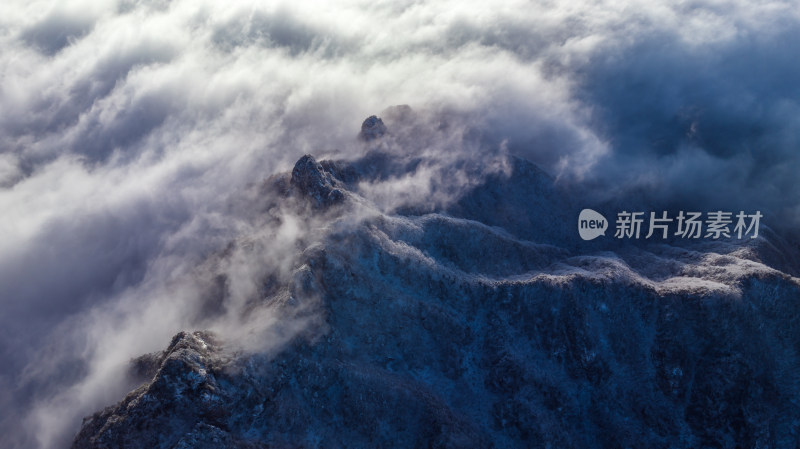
<point>372,128</point>
<point>183,393</point>
<point>487,324</point>
<point>311,179</point>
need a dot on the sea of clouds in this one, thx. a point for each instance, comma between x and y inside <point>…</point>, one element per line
<point>132,133</point>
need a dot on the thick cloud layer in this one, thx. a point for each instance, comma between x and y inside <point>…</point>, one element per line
<point>131,133</point>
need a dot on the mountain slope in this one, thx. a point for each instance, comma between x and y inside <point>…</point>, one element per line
<point>480,322</point>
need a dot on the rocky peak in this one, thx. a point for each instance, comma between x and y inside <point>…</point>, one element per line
<point>372,128</point>
<point>182,402</point>
<point>311,179</point>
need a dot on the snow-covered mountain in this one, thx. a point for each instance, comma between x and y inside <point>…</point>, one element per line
<point>474,318</point>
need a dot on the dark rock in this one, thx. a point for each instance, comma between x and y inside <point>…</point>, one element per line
<point>313,182</point>
<point>183,403</point>
<point>372,128</point>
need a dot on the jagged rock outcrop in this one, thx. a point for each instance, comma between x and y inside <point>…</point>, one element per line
<point>312,181</point>
<point>372,128</point>
<point>183,403</point>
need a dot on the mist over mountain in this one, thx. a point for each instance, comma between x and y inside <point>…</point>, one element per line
<point>150,185</point>
<point>439,328</point>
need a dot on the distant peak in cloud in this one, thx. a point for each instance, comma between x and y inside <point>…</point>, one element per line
<point>312,180</point>
<point>372,128</point>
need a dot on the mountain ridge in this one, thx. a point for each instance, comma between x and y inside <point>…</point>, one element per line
<point>480,321</point>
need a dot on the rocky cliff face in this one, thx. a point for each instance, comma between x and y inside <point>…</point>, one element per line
<point>481,324</point>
